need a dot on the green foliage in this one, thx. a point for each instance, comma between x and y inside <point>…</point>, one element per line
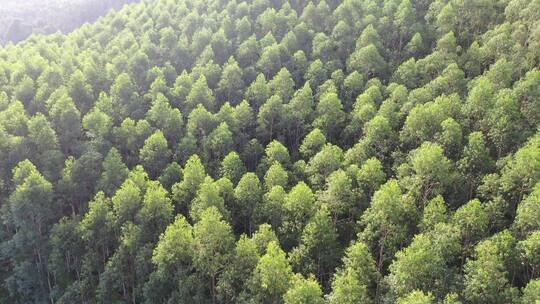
<point>312,143</point>
<point>237,151</point>
<point>213,242</point>
<point>304,291</point>
<point>316,252</point>
<point>354,282</point>
<point>248,197</point>
<point>114,172</point>
<point>155,154</point>
<point>417,297</point>
<point>386,223</point>
<point>232,167</point>
<point>486,277</point>
<point>329,115</point>
<point>531,292</point>
<point>426,260</point>
<point>273,274</point>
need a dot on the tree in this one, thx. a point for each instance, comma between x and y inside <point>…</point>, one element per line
<point>97,125</point>
<point>425,121</point>
<point>162,116</point>
<point>272,275</point>
<point>521,172</point>
<point>272,206</point>
<point>368,61</point>
<point>299,65</point>
<point>315,253</point>
<point>434,213</point>
<point>97,232</point>
<point>173,258</point>
<point>426,260</point>
<point>29,214</point>
<point>84,173</point>
<point>248,198</point>
<point>200,122</point>
<point>276,176</point>
<point>371,176</point>
<point>324,163</point>
<point>312,143</point>
<point>404,20</point>
<point>156,212</point>
<point>126,202</point>
<point>125,99</point>
<point>303,291</point>
<point>473,220</point>
<point>316,73</point>
<point>529,249</point>
<point>300,113</point>
<point>80,91</point>
<point>42,146</point>
<point>355,281</point>
<point>194,175</point>
<point>481,97</point>
<point>114,172</point>
<point>276,152</point>
<point>243,122</point>
<point>432,170</point>
<point>340,197</point>
<point>531,292</point>
<point>234,283</point>
<point>451,136</point>
<point>232,167</point>
<point>66,119</point>
<point>352,86</point>
<point>171,175</point>
<point>347,289</point>
<point>270,118</point>
<point>505,121</point>
<point>181,89</point>
<point>200,94</point>
<point>417,297</point>
<point>330,116</point>
<point>486,277</point>
<point>65,260</point>
<point>217,144</point>
<point>244,30</point>
<point>379,136</point>
<point>528,213</point>
<point>14,118</point>
<point>214,241</point>
<point>258,92</point>
<point>526,91</point>
<point>25,92</point>
<point>155,154</point>
<point>386,222</point>
<point>231,83</point>
<point>270,60</point>
<point>282,85</point>
<point>207,196</point>
<point>299,207</point>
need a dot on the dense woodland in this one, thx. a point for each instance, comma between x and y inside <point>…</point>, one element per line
<point>21,18</point>
<point>275,151</point>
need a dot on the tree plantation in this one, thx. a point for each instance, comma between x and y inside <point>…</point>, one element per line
<point>275,151</point>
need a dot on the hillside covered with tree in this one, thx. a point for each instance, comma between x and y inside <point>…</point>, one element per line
<point>275,151</point>
<point>19,19</point>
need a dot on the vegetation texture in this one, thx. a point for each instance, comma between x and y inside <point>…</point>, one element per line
<point>357,151</point>
<point>19,19</point>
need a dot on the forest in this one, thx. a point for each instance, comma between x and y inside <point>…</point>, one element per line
<point>21,18</point>
<point>275,152</point>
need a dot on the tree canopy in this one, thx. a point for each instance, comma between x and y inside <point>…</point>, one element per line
<point>206,151</point>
